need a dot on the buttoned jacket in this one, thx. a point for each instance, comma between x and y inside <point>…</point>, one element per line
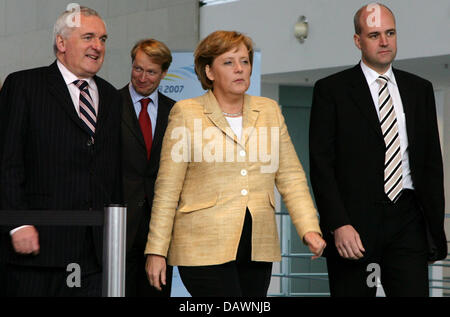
<point>208,178</point>
<point>49,161</point>
<point>347,155</point>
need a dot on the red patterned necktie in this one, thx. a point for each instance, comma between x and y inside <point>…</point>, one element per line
<point>146,125</point>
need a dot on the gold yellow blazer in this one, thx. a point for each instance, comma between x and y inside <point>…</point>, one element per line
<point>207,179</point>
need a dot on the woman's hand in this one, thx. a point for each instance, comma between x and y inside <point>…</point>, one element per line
<point>315,243</point>
<point>156,270</point>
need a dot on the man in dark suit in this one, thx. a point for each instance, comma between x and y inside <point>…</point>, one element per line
<point>376,169</point>
<point>60,139</point>
<point>145,114</point>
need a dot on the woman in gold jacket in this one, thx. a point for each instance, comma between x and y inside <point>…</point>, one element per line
<point>223,153</point>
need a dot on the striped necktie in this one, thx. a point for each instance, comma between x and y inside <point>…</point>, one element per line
<point>87,110</point>
<point>393,184</point>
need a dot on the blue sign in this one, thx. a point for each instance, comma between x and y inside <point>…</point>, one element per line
<point>181,81</point>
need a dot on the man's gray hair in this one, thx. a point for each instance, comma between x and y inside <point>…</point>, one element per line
<point>65,24</point>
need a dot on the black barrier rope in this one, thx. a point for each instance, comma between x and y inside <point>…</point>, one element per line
<point>52,218</point>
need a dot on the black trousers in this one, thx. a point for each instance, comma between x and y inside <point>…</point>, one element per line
<point>240,278</point>
<point>32,281</point>
<point>3,275</point>
<point>400,256</point>
<point>137,284</point>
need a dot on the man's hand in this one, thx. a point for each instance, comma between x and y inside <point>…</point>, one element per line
<point>26,240</point>
<point>348,243</point>
<point>156,270</point>
<point>315,243</point>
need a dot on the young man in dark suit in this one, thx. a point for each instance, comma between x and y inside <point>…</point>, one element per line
<point>145,114</point>
<point>376,169</point>
<point>60,139</point>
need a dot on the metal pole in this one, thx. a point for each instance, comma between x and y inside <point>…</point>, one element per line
<point>114,250</point>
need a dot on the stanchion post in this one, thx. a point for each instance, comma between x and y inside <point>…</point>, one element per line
<point>114,250</point>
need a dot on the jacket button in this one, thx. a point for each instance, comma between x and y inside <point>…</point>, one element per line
<point>244,192</point>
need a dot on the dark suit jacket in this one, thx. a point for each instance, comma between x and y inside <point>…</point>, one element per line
<point>139,173</point>
<point>347,155</point>
<point>49,163</point>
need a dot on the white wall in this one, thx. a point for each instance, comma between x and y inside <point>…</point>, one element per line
<point>445,136</point>
<point>422,26</point>
<point>26,28</point>
<point>446,141</point>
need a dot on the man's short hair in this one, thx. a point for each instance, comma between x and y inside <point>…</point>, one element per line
<point>158,52</point>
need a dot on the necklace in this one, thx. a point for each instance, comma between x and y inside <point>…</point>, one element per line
<point>232,115</point>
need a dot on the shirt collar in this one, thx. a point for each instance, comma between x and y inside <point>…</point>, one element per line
<point>70,77</point>
<point>372,76</point>
<point>136,97</point>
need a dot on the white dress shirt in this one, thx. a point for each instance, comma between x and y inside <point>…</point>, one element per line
<point>74,91</point>
<point>236,125</point>
<point>371,77</point>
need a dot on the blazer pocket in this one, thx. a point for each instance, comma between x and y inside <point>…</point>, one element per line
<point>187,207</point>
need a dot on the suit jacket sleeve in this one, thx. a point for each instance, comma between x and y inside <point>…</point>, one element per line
<point>292,184</point>
<point>433,161</point>
<point>431,180</point>
<point>322,142</point>
<point>117,195</point>
<point>169,184</point>
<point>13,139</point>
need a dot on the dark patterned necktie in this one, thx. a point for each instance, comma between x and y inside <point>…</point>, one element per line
<point>87,110</point>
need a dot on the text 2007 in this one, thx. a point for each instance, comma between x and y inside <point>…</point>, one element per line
<point>177,89</point>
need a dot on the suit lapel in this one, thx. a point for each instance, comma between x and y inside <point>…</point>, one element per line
<point>250,116</point>
<point>130,119</point>
<point>160,129</point>
<point>362,98</point>
<point>103,102</point>
<point>58,88</point>
<point>408,102</point>
<point>214,113</point>
<point>161,121</point>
